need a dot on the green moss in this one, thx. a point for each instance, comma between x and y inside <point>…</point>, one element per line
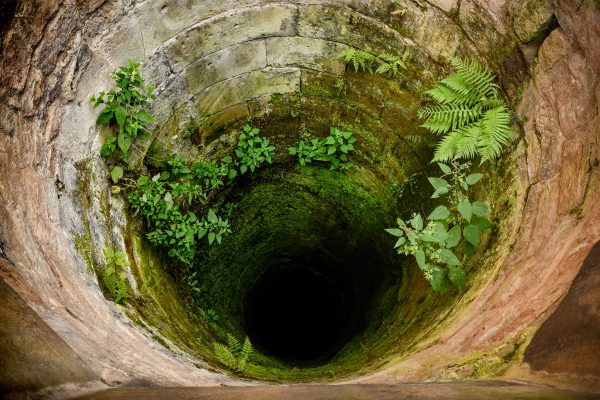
<point>85,248</point>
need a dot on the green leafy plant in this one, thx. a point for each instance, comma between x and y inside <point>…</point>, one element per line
<point>334,149</point>
<point>112,278</point>
<point>451,230</point>
<point>234,355</point>
<point>384,64</point>
<point>170,225</point>
<point>253,150</point>
<point>125,108</point>
<point>469,113</point>
<point>170,199</point>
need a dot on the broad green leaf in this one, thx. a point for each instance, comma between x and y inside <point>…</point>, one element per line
<point>145,116</point>
<point>440,233</point>
<point>448,257</point>
<point>400,242</point>
<point>454,236</point>
<point>473,178</point>
<point>227,159</point>
<point>430,238</point>
<point>168,200</point>
<point>480,208</point>
<point>420,256</point>
<point>439,213</point>
<point>445,169</point>
<point>482,223</point>
<point>116,174</point>
<point>465,209</point>
<point>121,115</point>
<point>211,237</point>
<point>212,217</point>
<point>438,183</point>
<point>467,249</point>
<point>109,146</point>
<point>439,192</point>
<point>457,276</point>
<point>436,278</point>
<point>412,237</point>
<point>124,141</point>
<point>417,222</point>
<point>105,116</point>
<point>395,232</point>
<point>472,234</point>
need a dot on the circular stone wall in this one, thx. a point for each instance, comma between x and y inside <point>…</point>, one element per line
<point>302,237</point>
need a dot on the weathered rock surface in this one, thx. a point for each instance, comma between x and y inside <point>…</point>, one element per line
<point>207,58</point>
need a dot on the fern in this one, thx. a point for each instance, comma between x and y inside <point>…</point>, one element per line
<point>235,355</point>
<point>245,354</point>
<point>234,344</point>
<point>224,355</point>
<point>391,65</point>
<point>113,281</point>
<point>360,60</point>
<point>115,284</point>
<point>387,64</point>
<point>469,113</point>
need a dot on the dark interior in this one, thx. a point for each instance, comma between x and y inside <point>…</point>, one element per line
<point>296,312</point>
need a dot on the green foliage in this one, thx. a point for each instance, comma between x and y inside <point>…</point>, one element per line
<point>334,149</point>
<point>125,108</point>
<point>253,150</point>
<point>451,230</point>
<point>469,114</point>
<point>235,355</point>
<point>162,203</point>
<point>384,64</point>
<point>340,85</point>
<point>169,200</point>
<point>112,278</point>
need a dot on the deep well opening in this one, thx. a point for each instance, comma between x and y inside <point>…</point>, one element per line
<point>328,230</point>
<point>309,273</point>
<point>297,313</point>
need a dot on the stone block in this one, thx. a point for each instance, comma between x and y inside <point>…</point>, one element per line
<point>247,86</point>
<point>227,30</point>
<point>309,53</point>
<point>349,27</point>
<point>225,64</point>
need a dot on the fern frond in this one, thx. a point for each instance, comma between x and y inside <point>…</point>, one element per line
<point>495,133</point>
<point>448,117</point>
<point>390,64</point>
<point>477,77</point>
<point>245,354</point>
<point>384,69</point>
<point>444,94</point>
<point>121,294</point>
<point>358,58</point>
<point>492,103</point>
<point>224,355</point>
<point>115,284</point>
<point>233,344</point>
<point>446,149</point>
<point>467,145</point>
<point>458,84</point>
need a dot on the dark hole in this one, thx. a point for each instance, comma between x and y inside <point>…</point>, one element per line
<point>297,313</point>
